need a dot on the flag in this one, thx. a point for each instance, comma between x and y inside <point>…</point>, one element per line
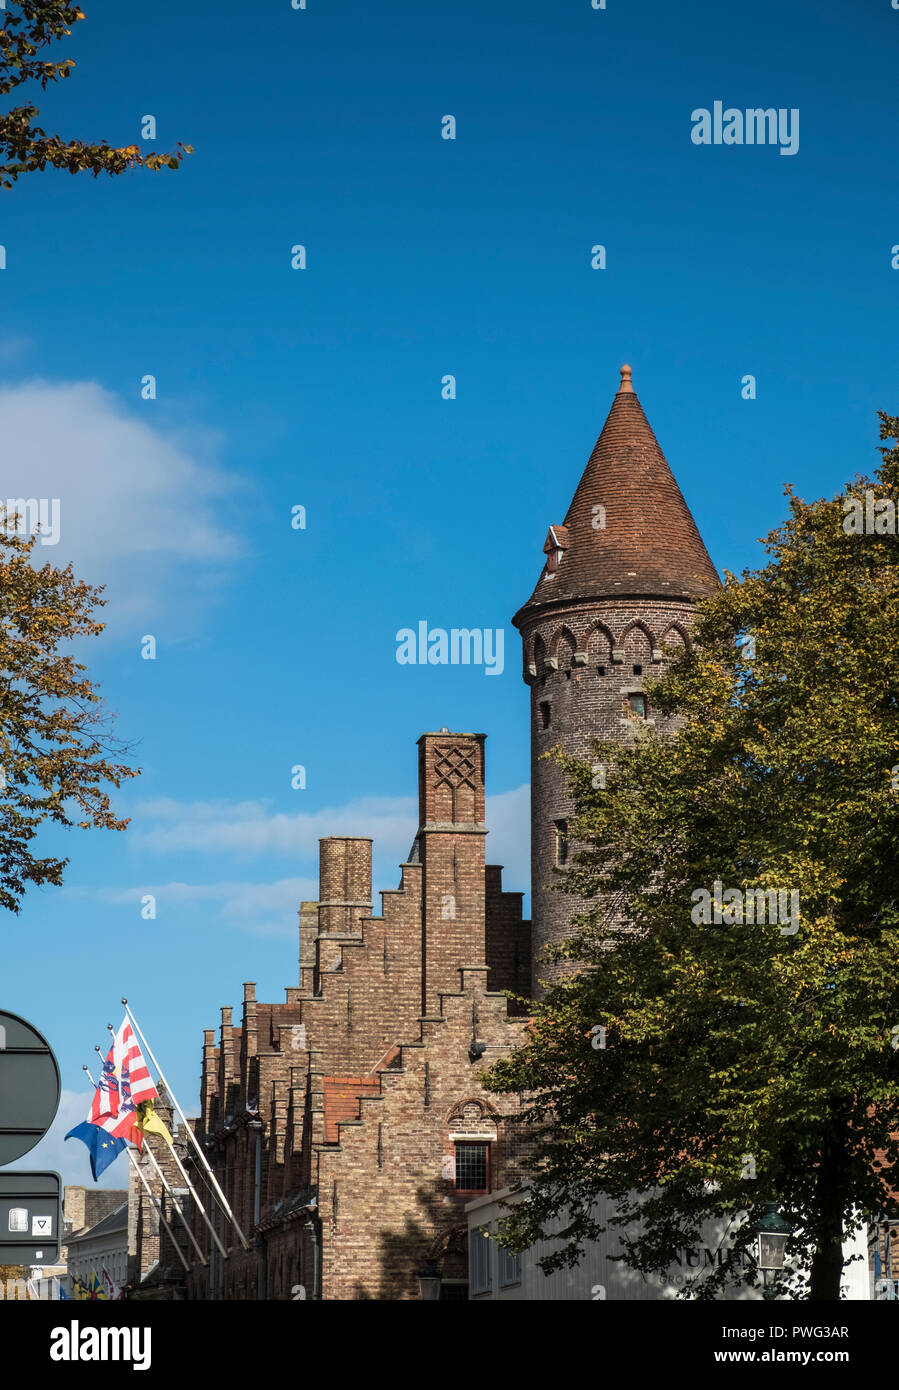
<point>148,1122</point>
<point>106,1097</point>
<point>102,1147</point>
<point>124,1084</point>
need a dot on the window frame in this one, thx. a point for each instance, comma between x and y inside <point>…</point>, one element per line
<point>471,1143</point>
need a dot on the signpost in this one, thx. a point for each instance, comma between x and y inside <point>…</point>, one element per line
<point>30,1203</point>
<point>29,1087</point>
<point>30,1218</point>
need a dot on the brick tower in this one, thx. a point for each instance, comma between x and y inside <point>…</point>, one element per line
<point>618,585</point>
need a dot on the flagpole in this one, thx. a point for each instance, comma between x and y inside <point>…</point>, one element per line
<point>183,1171</point>
<point>158,1205</point>
<point>162,1177</point>
<point>190,1134</point>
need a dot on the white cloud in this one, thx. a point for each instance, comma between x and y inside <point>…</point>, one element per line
<point>264,909</point>
<point>509,841</point>
<point>249,827</point>
<point>70,1159</point>
<point>137,503</point>
<point>270,908</point>
<point>14,347</point>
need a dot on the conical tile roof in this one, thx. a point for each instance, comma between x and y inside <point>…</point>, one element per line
<point>628,530</point>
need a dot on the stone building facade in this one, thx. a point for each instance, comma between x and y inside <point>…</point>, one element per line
<point>346,1125</point>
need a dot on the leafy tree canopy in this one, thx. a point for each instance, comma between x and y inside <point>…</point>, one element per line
<point>54,739</point>
<point>745,1061</point>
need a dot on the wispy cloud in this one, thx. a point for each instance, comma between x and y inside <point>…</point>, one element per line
<point>53,1154</point>
<point>247,828</point>
<point>14,347</point>
<point>264,909</point>
<point>138,504</point>
<point>252,828</point>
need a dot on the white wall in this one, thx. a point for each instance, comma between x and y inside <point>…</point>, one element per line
<point>90,1257</point>
<point>598,1276</point>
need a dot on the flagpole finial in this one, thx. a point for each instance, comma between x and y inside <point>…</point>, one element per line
<point>84,1066</point>
<point>96,1048</point>
<point>109,1028</point>
<point>124,1001</point>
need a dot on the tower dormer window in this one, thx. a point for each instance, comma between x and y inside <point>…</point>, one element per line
<point>554,548</point>
<point>636,705</point>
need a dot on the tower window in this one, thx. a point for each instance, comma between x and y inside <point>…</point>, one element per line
<point>600,670</point>
<point>472,1167</point>
<point>561,843</point>
<point>638,670</point>
<point>636,705</point>
<point>544,714</point>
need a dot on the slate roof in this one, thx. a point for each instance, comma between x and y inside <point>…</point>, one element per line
<point>116,1221</point>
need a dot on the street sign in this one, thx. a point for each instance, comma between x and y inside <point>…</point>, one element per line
<point>29,1087</point>
<point>30,1218</point>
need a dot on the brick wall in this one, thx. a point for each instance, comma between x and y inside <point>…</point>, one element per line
<point>579,664</point>
<point>352,1087</point>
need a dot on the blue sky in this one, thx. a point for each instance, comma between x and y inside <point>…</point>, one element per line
<point>322,388</point>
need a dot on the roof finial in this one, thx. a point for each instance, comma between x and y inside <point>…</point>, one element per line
<point>626,384</point>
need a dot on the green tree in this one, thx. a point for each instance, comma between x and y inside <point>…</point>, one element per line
<point>745,1062</point>
<point>24,146</point>
<point>54,733</point>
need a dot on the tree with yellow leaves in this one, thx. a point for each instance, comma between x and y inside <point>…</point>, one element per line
<point>54,733</point>
<point>24,146</point>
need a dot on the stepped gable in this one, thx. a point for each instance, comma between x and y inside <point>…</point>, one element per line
<point>628,531</point>
<point>333,1119</point>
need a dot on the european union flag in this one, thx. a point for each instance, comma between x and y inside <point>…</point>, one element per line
<point>102,1147</point>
